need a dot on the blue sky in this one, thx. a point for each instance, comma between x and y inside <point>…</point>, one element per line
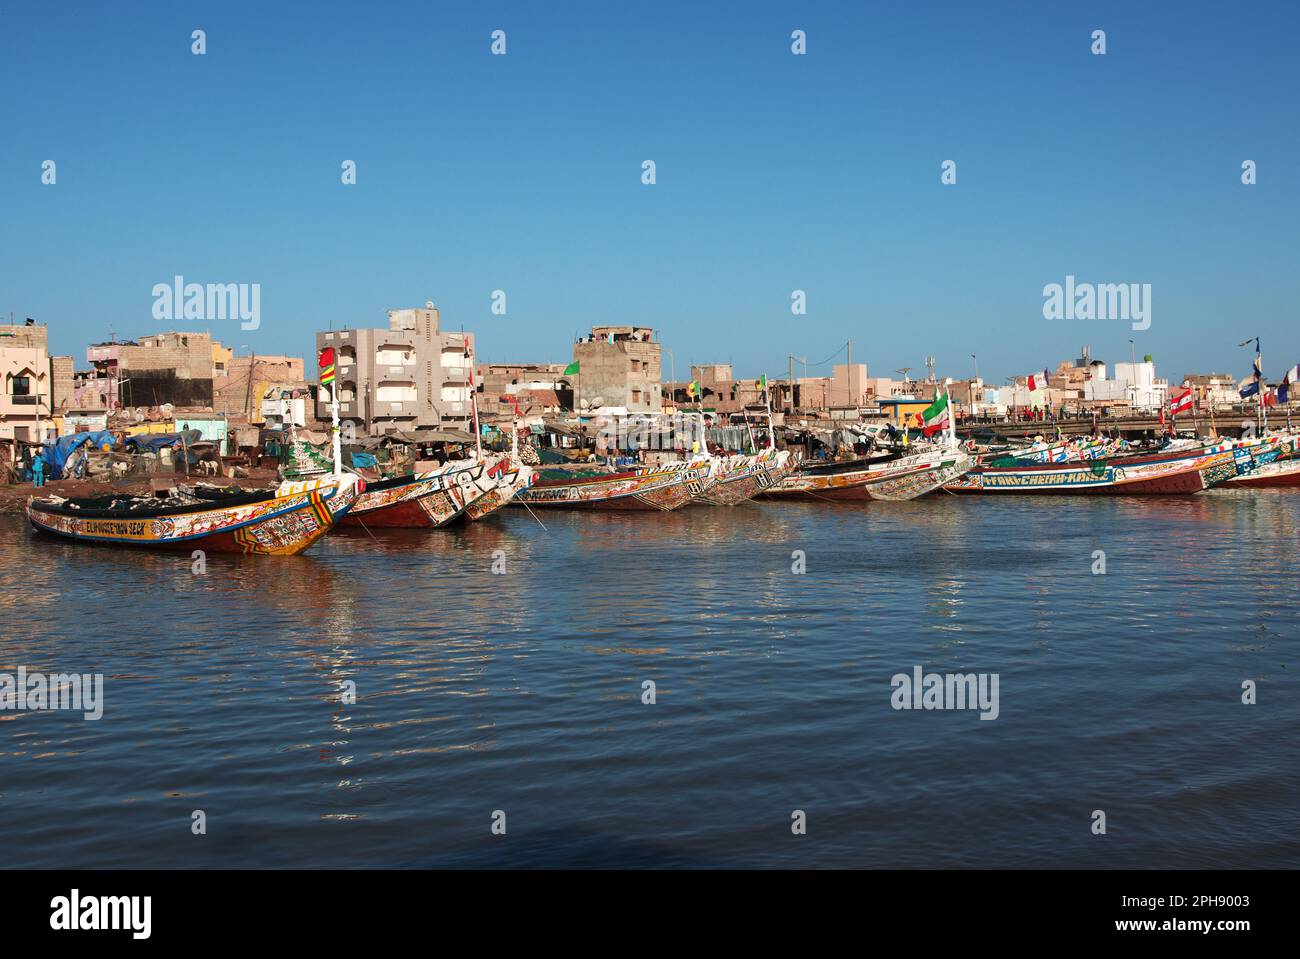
<point>775,172</point>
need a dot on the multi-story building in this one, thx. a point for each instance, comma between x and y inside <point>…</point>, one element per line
<point>173,368</point>
<point>1217,390</point>
<point>25,406</point>
<point>406,377</point>
<point>618,366</point>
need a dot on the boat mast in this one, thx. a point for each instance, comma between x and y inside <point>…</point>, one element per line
<point>473,399</point>
<point>767,401</point>
<point>952,416</point>
<point>337,439</point>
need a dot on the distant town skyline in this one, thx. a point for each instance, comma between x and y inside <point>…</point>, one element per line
<point>777,174</point>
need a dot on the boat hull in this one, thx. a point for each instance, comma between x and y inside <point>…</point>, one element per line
<point>1285,473</point>
<point>743,480</point>
<point>426,500</point>
<point>516,479</point>
<point>662,489</point>
<point>284,524</point>
<point>1141,476</point>
<point>903,479</point>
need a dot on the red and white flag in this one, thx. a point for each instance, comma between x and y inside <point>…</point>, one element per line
<point>1038,381</point>
<point>1182,403</point>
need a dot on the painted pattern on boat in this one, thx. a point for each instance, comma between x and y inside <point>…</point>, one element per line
<point>287,523</point>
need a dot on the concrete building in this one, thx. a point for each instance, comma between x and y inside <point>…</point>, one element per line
<point>1134,385</point>
<point>248,380</point>
<point>541,385</point>
<point>25,405</point>
<point>63,370</point>
<point>173,368</point>
<point>1213,390</point>
<point>618,367</point>
<point>406,377</point>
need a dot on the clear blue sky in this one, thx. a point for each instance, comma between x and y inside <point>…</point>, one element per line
<point>775,172</point>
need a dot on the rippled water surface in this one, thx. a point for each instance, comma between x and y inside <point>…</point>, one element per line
<point>522,692</point>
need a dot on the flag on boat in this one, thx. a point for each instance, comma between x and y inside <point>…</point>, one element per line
<point>326,361</point>
<point>935,416</point>
<point>1181,403</point>
<point>762,387</point>
<point>571,369</point>
<point>693,389</point>
<point>1038,381</point>
<point>1250,385</point>
<point>1284,390</point>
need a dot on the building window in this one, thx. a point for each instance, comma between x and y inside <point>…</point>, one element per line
<point>21,386</point>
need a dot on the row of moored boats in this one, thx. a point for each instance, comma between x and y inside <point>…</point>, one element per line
<point>298,511</point>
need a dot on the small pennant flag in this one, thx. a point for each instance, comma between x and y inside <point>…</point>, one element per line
<point>326,362</point>
<point>1284,389</point>
<point>571,369</point>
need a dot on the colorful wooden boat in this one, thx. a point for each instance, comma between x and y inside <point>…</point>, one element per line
<point>1170,473</point>
<point>1281,473</point>
<point>515,477</point>
<point>741,478</point>
<point>899,477</point>
<point>430,499</point>
<point>279,521</point>
<point>665,487</point>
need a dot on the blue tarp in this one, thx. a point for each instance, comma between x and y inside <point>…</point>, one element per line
<point>56,454</point>
<point>364,461</point>
<point>153,442</point>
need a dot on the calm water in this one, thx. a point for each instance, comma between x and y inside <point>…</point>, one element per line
<point>522,692</point>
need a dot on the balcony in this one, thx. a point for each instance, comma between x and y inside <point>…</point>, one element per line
<point>25,400</point>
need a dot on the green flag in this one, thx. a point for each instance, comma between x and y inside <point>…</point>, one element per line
<point>571,369</point>
<point>935,416</point>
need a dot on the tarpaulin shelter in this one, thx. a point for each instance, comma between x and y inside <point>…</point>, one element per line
<point>153,442</point>
<point>56,454</point>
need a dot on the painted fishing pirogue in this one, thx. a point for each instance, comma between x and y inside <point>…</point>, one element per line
<point>1180,472</point>
<point>279,521</point>
<point>741,478</point>
<point>515,477</point>
<point>441,496</point>
<point>892,478</point>
<point>1268,475</point>
<point>661,488</point>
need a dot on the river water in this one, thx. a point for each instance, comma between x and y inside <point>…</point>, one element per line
<point>517,696</point>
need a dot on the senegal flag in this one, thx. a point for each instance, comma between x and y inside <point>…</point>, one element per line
<point>934,417</point>
<point>571,369</point>
<point>326,363</point>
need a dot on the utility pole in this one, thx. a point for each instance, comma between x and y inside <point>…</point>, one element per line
<point>790,380</point>
<point>850,371</point>
<point>248,396</point>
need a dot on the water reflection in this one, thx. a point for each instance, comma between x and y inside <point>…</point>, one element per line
<point>522,688</point>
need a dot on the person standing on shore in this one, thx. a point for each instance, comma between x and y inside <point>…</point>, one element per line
<point>38,470</point>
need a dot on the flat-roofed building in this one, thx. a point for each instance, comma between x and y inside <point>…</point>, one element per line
<point>410,375</point>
